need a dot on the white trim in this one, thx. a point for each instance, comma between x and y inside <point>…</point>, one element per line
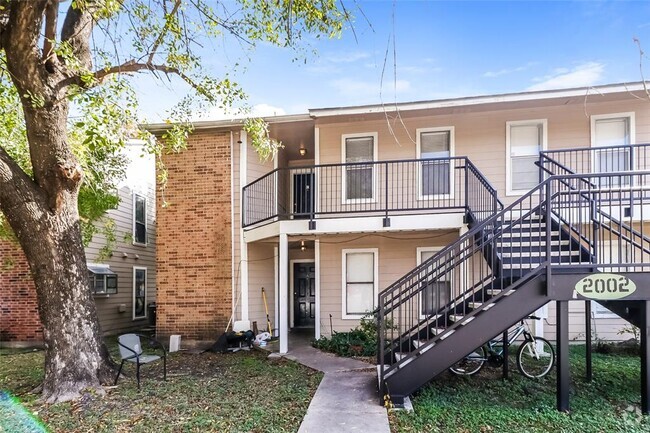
<point>317,266</point>
<point>480,100</point>
<point>344,198</point>
<point>243,246</point>
<point>592,141</point>
<point>316,145</point>
<point>292,318</point>
<point>370,224</point>
<point>233,235</point>
<point>283,293</point>
<point>509,124</point>
<point>344,301</point>
<point>146,214</point>
<point>146,281</point>
<point>452,150</point>
<point>418,261</point>
<point>629,114</point>
<point>276,287</point>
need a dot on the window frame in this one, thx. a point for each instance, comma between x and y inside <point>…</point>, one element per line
<point>544,146</point>
<point>134,221</point>
<point>418,258</point>
<point>93,276</point>
<point>418,155</point>
<point>344,195</point>
<point>594,118</point>
<point>344,282</point>
<point>133,297</point>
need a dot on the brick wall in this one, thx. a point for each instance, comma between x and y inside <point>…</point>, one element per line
<point>18,306</point>
<point>193,257</point>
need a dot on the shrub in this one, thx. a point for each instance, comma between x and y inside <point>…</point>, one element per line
<point>360,341</point>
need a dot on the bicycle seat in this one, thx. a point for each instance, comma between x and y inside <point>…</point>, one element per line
<point>534,318</point>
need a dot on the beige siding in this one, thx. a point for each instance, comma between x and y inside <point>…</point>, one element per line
<point>125,255</point>
<point>480,134</point>
<point>261,273</point>
<point>604,327</point>
<point>397,256</point>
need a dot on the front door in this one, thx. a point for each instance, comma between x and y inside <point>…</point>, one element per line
<point>303,189</point>
<point>304,294</point>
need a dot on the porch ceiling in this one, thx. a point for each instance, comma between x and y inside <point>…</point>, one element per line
<point>294,135</point>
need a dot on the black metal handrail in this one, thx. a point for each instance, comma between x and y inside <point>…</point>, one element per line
<point>386,188</point>
<point>583,160</point>
<point>550,226</point>
<point>639,158</point>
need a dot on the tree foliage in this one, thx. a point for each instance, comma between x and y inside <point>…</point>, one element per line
<point>58,170</point>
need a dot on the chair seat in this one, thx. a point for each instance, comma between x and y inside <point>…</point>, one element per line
<point>145,359</point>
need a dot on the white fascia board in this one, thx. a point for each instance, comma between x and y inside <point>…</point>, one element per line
<point>325,226</point>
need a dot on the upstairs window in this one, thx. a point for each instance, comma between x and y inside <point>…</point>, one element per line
<point>607,131</point>
<point>525,139</point>
<point>359,179</point>
<point>139,219</point>
<point>435,176</point>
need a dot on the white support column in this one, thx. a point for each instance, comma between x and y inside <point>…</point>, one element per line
<point>243,251</point>
<point>276,284</point>
<point>317,266</point>
<point>284,293</point>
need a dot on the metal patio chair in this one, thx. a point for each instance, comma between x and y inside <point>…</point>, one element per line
<point>131,351</point>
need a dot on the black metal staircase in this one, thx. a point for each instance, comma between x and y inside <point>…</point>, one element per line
<point>503,269</point>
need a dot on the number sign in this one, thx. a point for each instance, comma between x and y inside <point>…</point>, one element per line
<point>605,286</point>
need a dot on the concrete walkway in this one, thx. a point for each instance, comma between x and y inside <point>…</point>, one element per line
<point>346,400</point>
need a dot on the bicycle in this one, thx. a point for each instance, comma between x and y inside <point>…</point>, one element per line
<point>535,357</point>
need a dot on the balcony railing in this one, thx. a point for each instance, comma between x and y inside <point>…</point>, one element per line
<point>605,159</point>
<point>379,188</point>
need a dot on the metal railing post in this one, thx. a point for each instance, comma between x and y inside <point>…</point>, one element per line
<point>549,195</point>
<point>312,201</point>
<point>386,222</point>
<point>467,210</point>
<point>381,326</point>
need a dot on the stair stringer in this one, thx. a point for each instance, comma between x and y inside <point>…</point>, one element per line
<point>626,310</point>
<point>427,364</point>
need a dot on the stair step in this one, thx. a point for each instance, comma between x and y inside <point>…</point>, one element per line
<point>438,331</point>
<point>495,292</point>
<point>399,356</point>
<point>419,343</point>
<point>481,305</point>
<point>538,253</point>
<point>508,244</point>
<point>527,234</point>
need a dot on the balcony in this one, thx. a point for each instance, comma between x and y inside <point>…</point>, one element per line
<point>361,189</point>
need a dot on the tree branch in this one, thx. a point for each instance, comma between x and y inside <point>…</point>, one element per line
<point>164,31</point>
<point>51,15</point>
<point>13,179</point>
<point>20,42</point>
<point>132,67</point>
<point>77,29</point>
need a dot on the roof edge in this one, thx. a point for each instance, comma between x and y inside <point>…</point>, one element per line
<point>228,123</point>
<point>477,100</point>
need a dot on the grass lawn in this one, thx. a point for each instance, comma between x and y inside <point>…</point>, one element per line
<point>485,403</point>
<point>237,392</point>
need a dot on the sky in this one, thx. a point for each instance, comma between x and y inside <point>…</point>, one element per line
<point>433,50</point>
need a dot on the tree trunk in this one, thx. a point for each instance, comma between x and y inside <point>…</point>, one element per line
<point>43,214</point>
<point>74,359</point>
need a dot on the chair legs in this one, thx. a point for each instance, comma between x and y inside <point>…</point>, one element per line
<point>137,372</point>
<point>118,372</point>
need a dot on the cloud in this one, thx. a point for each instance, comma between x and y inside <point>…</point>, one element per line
<point>349,57</point>
<point>363,89</point>
<point>586,74</point>
<point>262,110</point>
<point>259,110</point>
<point>507,71</point>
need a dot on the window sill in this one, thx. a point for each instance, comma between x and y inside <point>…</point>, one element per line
<point>138,244</point>
<point>101,295</point>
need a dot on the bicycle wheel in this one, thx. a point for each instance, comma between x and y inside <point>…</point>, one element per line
<point>535,358</point>
<point>471,364</point>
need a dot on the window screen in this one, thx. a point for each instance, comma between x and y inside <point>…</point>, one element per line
<point>359,177</point>
<point>360,282</point>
